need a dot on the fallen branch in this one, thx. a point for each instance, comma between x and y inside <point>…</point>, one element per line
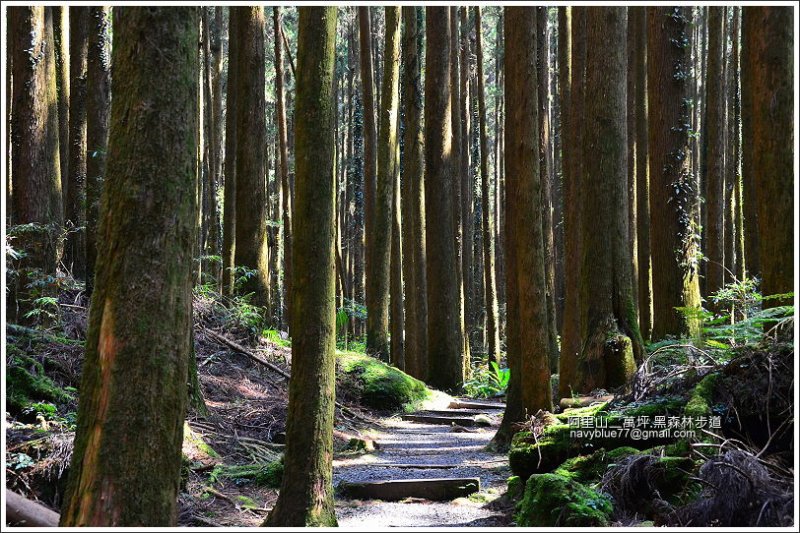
<point>244,351</point>
<point>21,511</point>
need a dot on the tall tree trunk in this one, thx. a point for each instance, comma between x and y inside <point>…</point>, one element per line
<point>61,40</point>
<point>378,274</point>
<point>74,205</point>
<point>673,190</point>
<point>377,314</point>
<point>467,193</point>
<point>445,341</point>
<point>637,18</point>
<point>573,102</point>
<point>490,280</point>
<point>306,496</point>
<point>768,36</point>
<point>35,151</point>
<point>126,462</point>
<point>413,197</point>
<point>229,167</point>
<point>286,189</point>
<point>457,167</point>
<point>528,340</point>
<point>98,109</point>
<point>714,240</point>
<point>545,174</point>
<point>251,220</point>
<point>749,196</point>
<point>609,329</point>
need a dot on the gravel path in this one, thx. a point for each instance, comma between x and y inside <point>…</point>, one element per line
<point>404,442</point>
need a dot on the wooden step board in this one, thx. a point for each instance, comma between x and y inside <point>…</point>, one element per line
<point>412,466</point>
<point>444,420</point>
<point>455,412</point>
<point>476,404</point>
<point>441,489</point>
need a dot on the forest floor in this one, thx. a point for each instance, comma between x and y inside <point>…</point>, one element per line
<point>232,464</point>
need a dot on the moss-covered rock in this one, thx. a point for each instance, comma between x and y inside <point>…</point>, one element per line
<point>590,468</point>
<point>381,386</point>
<point>554,500</point>
<point>529,455</point>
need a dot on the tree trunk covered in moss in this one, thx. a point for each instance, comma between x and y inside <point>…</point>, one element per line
<point>768,37</point>
<point>457,169</point>
<point>283,148</point>
<point>487,218</point>
<point>713,242</point>
<point>306,496</point>
<point>229,167</point>
<point>609,330</point>
<point>378,274</point>
<point>413,197</point>
<point>125,467</point>
<point>35,151</point>
<point>573,62</point>
<point>75,198</point>
<point>61,32</point>
<point>673,190</point>
<point>98,108</point>
<point>251,171</point>
<point>644,279</point>
<point>545,173</point>
<point>377,312</point>
<point>445,342</point>
<point>524,193</point>
<point>211,241</point>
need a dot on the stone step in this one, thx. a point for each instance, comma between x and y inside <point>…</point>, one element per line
<point>476,404</point>
<point>440,489</point>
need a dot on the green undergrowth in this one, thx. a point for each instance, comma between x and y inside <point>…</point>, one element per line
<point>379,385</point>
<point>554,500</point>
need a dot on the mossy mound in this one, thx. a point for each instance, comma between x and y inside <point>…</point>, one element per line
<point>591,468</point>
<point>26,384</point>
<point>381,386</point>
<point>701,399</point>
<point>262,475</point>
<point>554,500</point>
<point>529,455</point>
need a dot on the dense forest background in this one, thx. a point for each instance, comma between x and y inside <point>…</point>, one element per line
<point>552,205</point>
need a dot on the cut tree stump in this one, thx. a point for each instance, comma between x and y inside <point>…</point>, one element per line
<point>443,420</point>
<point>430,489</point>
<point>583,401</point>
<point>476,404</point>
